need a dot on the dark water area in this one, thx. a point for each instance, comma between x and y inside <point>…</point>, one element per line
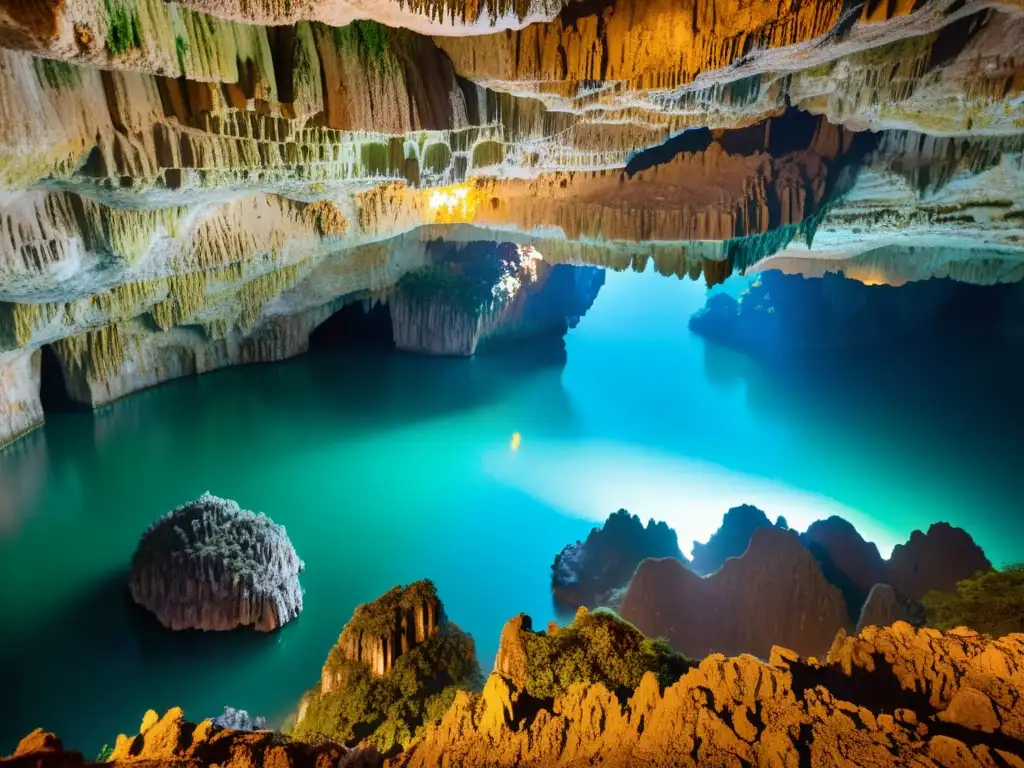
<point>388,468</point>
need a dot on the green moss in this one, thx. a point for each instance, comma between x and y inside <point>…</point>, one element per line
<point>389,711</point>
<point>57,74</point>
<point>991,603</point>
<point>369,38</point>
<point>181,48</point>
<point>378,618</point>
<point>487,153</point>
<point>467,290</point>
<point>437,158</point>
<point>598,647</point>
<point>123,32</point>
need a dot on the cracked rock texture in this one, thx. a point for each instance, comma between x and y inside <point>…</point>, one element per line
<point>896,696</point>
<point>211,565</point>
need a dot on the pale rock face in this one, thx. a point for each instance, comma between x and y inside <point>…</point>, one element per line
<point>21,410</point>
<point>211,565</point>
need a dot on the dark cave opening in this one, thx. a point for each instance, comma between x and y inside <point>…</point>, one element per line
<point>53,392</point>
<point>355,325</point>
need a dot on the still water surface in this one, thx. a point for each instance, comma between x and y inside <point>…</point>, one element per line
<point>387,468</point>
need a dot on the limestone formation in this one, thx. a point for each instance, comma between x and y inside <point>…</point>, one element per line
<point>397,666</point>
<point>183,180</point>
<point>893,696</point>
<point>775,593</point>
<point>884,606</point>
<point>21,410</point>
<point>935,560</point>
<point>483,299</point>
<point>593,573</point>
<point>211,565</point>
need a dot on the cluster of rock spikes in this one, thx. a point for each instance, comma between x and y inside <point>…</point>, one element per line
<point>886,697</point>
<point>199,183</point>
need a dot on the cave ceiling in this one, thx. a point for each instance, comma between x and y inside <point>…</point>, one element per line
<point>217,165</point>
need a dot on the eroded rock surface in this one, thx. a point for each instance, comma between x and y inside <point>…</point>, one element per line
<point>180,178</point>
<point>211,565</point>
<point>894,696</point>
<point>21,409</point>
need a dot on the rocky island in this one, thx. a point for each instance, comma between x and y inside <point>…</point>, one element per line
<point>396,667</point>
<point>212,565</point>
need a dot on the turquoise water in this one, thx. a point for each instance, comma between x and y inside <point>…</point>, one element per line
<point>387,468</point>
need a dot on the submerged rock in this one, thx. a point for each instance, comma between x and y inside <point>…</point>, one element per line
<point>590,573</point>
<point>211,565</point>
<point>774,594</point>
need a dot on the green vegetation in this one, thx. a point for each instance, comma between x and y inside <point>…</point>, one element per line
<point>598,647</point>
<point>369,38</point>
<point>181,47</point>
<point>378,619</point>
<point>470,285</point>
<point>389,711</point>
<point>57,74</point>
<point>991,603</point>
<point>123,34</point>
<point>104,754</point>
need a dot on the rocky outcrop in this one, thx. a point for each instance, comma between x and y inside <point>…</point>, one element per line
<point>173,741</point>
<point>505,293</point>
<point>893,696</point>
<point>730,540</point>
<point>393,624</point>
<point>211,565</point>
<point>21,410</point>
<point>775,593</point>
<point>885,606</point>
<point>396,666</point>
<point>593,572</point>
<point>886,697</point>
<point>935,560</point>
<point>858,559</point>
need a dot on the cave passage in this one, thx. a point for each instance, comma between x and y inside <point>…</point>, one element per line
<point>355,326</point>
<point>53,391</point>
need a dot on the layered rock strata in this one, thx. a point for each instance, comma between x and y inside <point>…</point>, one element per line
<point>211,565</point>
<point>774,594</point>
<point>593,573</point>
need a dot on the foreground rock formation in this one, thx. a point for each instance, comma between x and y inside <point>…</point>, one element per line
<point>211,565</point>
<point>194,184</point>
<point>587,573</point>
<point>896,696</point>
<point>397,666</point>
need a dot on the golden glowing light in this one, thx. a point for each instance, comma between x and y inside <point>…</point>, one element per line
<point>516,440</point>
<point>457,203</point>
